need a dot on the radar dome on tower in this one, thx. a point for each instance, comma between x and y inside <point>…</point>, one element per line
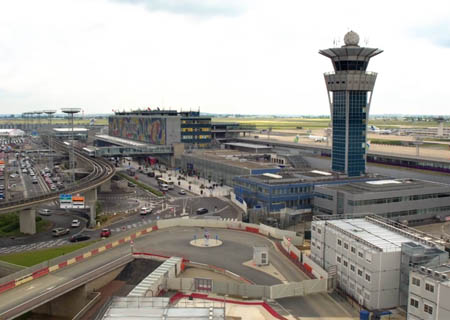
<point>351,38</point>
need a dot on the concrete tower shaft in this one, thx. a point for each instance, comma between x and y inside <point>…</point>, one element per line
<point>350,89</point>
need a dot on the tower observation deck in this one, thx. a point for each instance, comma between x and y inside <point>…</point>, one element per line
<point>350,89</point>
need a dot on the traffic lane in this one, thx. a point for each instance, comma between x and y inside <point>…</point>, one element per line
<point>151,181</point>
<point>26,292</point>
<point>236,249</point>
<point>57,220</point>
<point>317,306</point>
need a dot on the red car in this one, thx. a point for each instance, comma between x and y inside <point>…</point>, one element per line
<point>105,233</point>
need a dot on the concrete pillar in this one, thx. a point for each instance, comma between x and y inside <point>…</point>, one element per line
<point>27,220</point>
<point>106,187</point>
<point>90,199</point>
<point>65,306</point>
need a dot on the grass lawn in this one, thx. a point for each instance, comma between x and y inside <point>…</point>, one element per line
<point>30,258</point>
<point>10,225</point>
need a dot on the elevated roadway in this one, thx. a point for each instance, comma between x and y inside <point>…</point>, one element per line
<point>101,171</point>
<point>48,281</point>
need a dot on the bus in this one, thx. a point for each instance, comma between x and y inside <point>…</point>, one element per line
<point>169,183</point>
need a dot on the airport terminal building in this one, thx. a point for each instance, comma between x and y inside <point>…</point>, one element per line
<point>286,189</point>
<point>409,200</point>
<point>162,127</point>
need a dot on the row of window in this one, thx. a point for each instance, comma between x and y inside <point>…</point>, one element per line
<point>278,191</point>
<point>399,199</point>
<point>428,286</point>
<point>351,288</point>
<point>323,196</point>
<point>200,137</point>
<point>426,307</point>
<point>367,276</point>
<point>195,129</point>
<point>361,254</point>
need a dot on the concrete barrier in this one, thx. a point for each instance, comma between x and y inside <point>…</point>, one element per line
<point>252,291</point>
<point>280,234</point>
<point>239,202</point>
<point>316,270</point>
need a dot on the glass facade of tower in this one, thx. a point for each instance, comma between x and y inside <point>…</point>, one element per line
<point>357,103</point>
<point>339,128</point>
<point>357,133</point>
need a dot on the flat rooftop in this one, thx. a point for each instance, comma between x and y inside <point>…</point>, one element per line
<point>292,177</point>
<point>247,145</point>
<point>233,158</point>
<point>64,130</point>
<point>121,141</point>
<point>387,240</point>
<point>386,186</point>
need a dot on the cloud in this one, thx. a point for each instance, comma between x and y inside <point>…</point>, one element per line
<point>199,8</point>
<point>438,33</point>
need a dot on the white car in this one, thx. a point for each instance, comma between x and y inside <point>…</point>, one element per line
<point>76,223</point>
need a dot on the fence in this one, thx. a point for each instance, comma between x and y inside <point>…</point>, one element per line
<point>252,291</point>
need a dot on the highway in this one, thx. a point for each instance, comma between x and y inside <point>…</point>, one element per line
<point>101,172</point>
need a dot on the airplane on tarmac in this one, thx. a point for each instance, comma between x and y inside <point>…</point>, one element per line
<point>374,129</point>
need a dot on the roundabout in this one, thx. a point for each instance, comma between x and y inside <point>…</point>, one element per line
<point>206,243</point>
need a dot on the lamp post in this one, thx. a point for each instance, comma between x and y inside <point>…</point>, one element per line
<point>50,113</point>
<point>70,113</point>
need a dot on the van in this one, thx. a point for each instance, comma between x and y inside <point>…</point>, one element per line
<point>144,211</point>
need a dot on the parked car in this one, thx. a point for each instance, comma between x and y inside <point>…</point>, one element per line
<point>202,211</point>
<point>45,212</point>
<point>60,231</point>
<point>79,237</point>
<point>145,211</point>
<point>131,184</point>
<point>182,192</point>
<point>76,223</point>
<point>105,233</point>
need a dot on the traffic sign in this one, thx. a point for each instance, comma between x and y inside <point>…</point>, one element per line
<point>65,201</point>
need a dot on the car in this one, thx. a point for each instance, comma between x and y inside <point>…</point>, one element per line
<point>131,184</point>
<point>45,212</point>
<point>145,210</point>
<point>150,174</point>
<point>2,187</point>
<point>34,181</point>
<point>60,231</point>
<point>202,211</point>
<point>182,192</point>
<point>32,173</point>
<point>105,233</point>
<point>24,170</point>
<point>76,223</point>
<point>79,237</point>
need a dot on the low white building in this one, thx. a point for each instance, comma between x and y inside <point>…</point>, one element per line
<point>372,257</point>
<point>429,293</point>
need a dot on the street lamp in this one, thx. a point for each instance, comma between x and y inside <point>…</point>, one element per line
<point>50,113</point>
<point>70,114</point>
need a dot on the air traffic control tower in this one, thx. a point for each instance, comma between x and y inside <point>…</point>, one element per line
<point>350,89</point>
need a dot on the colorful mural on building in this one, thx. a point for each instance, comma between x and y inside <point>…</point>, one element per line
<point>150,130</point>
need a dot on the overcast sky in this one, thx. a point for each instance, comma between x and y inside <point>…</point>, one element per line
<point>224,56</point>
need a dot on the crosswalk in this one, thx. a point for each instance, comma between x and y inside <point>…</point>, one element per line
<point>141,223</point>
<point>33,246</point>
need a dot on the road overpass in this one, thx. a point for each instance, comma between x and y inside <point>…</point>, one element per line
<point>67,278</point>
<point>101,172</point>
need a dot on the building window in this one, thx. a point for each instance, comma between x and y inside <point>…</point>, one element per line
<point>427,308</point>
<point>345,245</point>
<point>338,259</point>
<point>319,230</point>
<point>345,263</point>
<point>416,282</point>
<point>353,250</point>
<point>429,287</point>
<point>352,267</point>
<point>414,303</point>
<point>360,273</point>
<point>360,254</point>
<point>339,242</point>
<point>367,277</point>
